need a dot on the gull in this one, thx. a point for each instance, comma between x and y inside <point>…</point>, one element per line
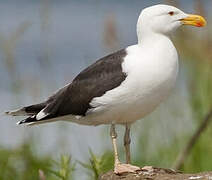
<point>124,86</point>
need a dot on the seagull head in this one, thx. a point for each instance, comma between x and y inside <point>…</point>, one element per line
<point>165,19</point>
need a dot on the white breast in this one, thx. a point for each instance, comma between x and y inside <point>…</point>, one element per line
<point>151,74</point>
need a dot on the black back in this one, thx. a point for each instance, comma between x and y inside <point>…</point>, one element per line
<point>102,76</point>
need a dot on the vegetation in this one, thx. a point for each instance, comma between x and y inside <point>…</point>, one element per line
<point>23,163</point>
<point>98,165</point>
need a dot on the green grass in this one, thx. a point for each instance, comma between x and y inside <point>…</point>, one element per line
<point>22,164</point>
<point>98,165</point>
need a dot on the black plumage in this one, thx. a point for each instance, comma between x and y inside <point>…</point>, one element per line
<point>74,99</point>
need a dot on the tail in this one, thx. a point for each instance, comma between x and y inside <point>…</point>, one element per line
<point>35,112</point>
<point>27,111</point>
<point>31,111</point>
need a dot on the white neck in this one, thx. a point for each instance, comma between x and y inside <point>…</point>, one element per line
<point>153,39</point>
<point>145,33</point>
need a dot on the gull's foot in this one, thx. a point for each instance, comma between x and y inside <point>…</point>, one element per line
<point>125,168</point>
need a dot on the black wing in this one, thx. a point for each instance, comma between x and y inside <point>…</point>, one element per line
<point>102,76</point>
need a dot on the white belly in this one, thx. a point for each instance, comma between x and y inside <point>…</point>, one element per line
<point>148,83</point>
<point>150,77</point>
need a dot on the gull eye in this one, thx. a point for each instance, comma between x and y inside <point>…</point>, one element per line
<point>171,13</point>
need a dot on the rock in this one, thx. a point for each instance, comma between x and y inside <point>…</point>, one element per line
<point>156,174</point>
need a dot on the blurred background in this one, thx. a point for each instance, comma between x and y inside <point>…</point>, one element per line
<point>44,44</point>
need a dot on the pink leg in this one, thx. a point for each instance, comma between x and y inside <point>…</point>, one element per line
<point>118,167</point>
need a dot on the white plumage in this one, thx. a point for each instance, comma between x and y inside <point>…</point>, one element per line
<point>145,78</point>
<point>151,74</point>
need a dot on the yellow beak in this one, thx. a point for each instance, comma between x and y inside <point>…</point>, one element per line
<point>194,20</point>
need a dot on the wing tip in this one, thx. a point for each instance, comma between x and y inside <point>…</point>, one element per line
<point>18,123</point>
<point>25,123</point>
<point>28,120</point>
<point>18,112</point>
<point>21,122</point>
<point>6,113</point>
